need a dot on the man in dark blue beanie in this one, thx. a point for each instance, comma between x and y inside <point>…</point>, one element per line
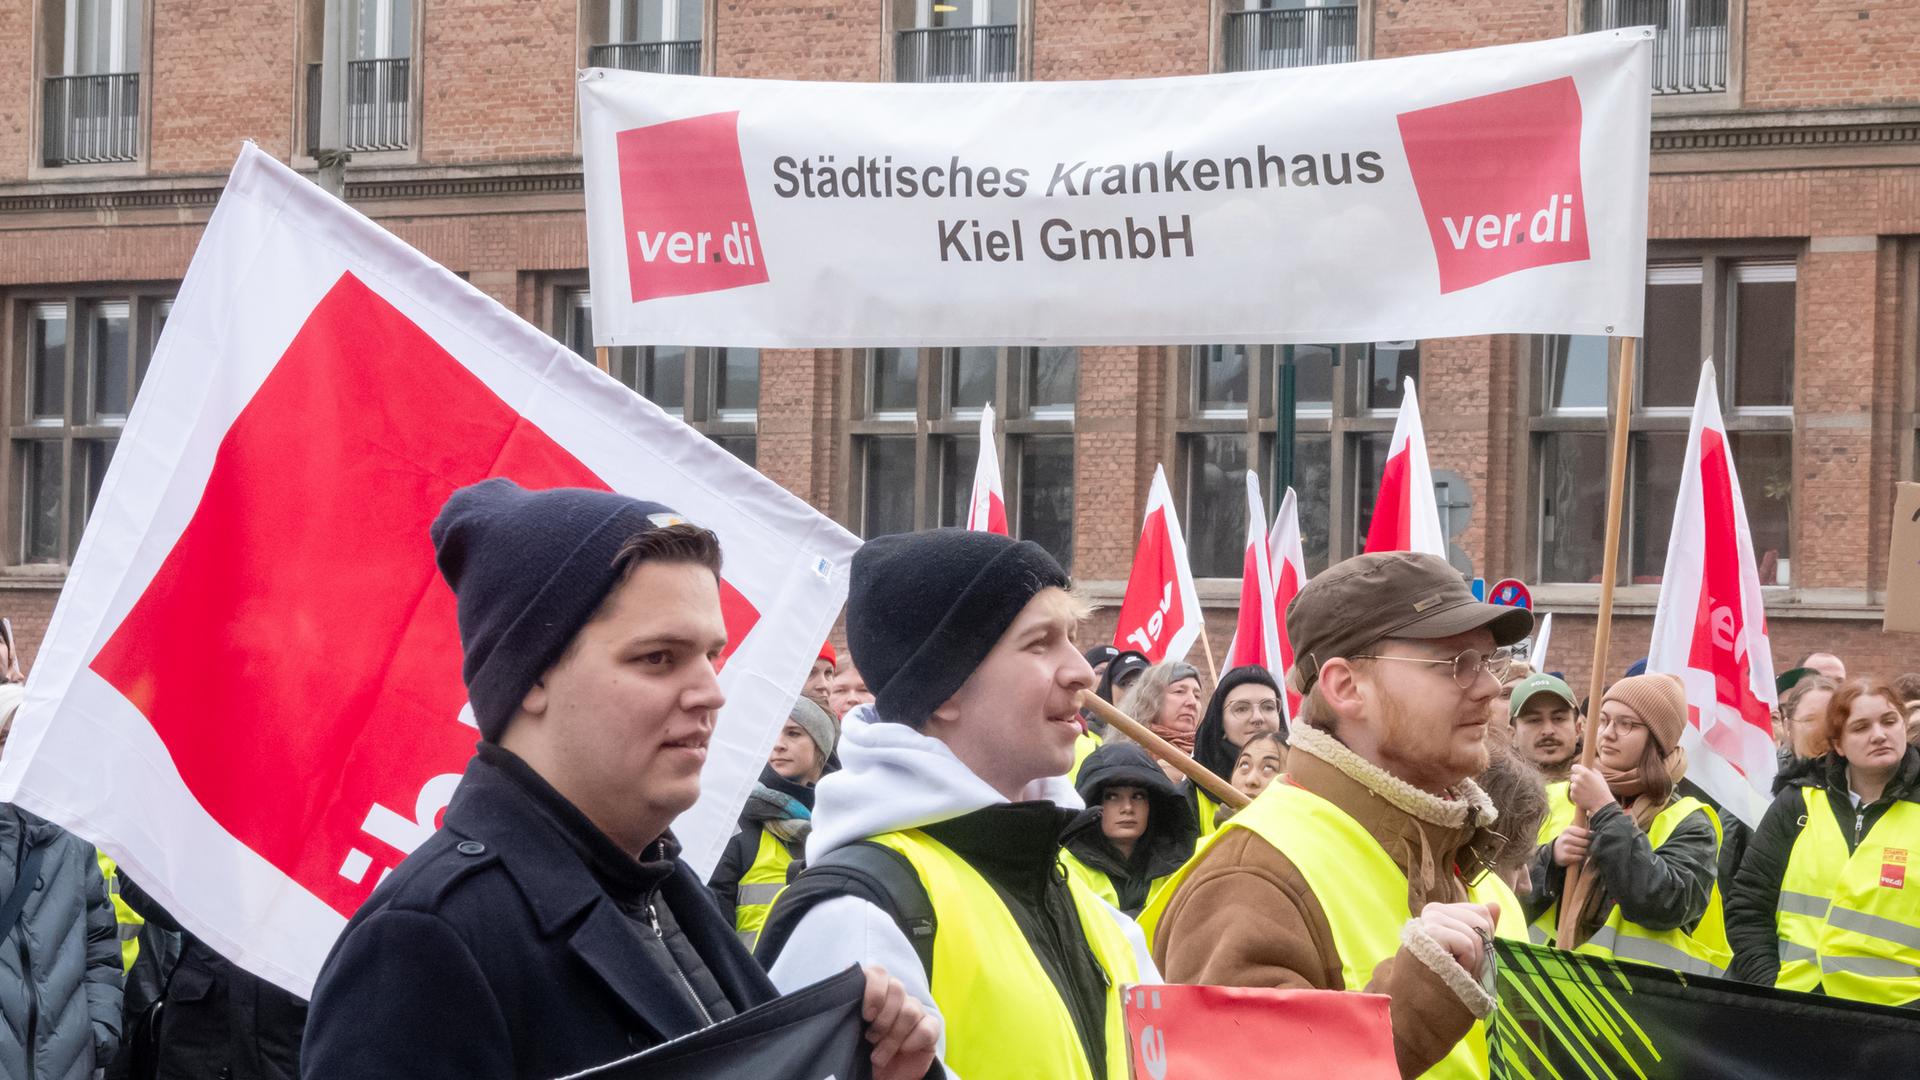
<point>934,849</point>
<point>549,925</point>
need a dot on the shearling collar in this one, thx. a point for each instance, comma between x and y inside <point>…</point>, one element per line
<point>1410,800</point>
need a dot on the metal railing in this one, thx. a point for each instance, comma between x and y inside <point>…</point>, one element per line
<point>91,119</point>
<point>660,57</point>
<point>1689,39</point>
<point>946,54</point>
<point>379,106</point>
<point>1291,37</point>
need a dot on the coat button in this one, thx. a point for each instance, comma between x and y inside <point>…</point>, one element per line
<point>470,847</point>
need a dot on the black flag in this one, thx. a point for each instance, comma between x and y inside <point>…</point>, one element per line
<point>1585,1018</point>
<point>810,1034</point>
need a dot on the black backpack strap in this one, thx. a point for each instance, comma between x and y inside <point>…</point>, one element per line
<point>879,875</point>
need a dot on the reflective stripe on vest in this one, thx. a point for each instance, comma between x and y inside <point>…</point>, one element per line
<point>1559,812</point>
<point>1339,858</point>
<point>758,886</point>
<point>1003,1018</point>
<point>1703,951</point>
<point>125,918</point>
<point>1853,912</point>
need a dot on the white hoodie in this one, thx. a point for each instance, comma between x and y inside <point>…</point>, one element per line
<point>893,777</point>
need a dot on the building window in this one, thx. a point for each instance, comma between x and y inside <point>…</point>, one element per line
<point>377,111</point>
<point>90,101</point>
<point>1228,420</point>
<point>661,36</point>
<point>1738,312</point>
<point>81,360</point>
<point>1689,40</point>
<point>716,391</point>
<point>916,438</point>
<point>956,40</point>
<point>1260,34</point>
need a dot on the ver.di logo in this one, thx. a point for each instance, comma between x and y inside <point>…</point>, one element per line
<point>1499,181</point>
<point>684,204</point>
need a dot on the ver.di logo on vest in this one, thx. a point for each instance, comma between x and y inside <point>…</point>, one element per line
<point>686,212</point>
<point>1499,181</point>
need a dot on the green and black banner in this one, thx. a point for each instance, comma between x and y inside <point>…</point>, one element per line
<point>1569,1017</point>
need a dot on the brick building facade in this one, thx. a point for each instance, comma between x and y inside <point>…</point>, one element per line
<point>1785,246</point>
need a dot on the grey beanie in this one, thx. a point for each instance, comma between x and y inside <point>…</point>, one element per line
<point>817,723</point>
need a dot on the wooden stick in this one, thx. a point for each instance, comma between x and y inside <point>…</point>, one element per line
<point>1603,626</point>
<point>1223,793</point>
<point>1207,647</point>
<point>600,359</point>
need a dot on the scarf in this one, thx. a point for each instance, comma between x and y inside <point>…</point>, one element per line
<point>1588,896</point>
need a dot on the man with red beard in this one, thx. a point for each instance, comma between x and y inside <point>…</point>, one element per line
<point>1367,870</point>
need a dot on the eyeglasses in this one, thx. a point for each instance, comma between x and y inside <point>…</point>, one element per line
<point>1466,667</point>
<point>1268,707</point>
<point>1621,724</point>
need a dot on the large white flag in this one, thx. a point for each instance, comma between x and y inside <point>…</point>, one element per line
<point>250,694</point>
<point>1160,614</point>
<point>1493,191</point>
<point>1711,628</point>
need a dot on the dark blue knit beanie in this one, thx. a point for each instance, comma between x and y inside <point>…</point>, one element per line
<point>925,608</point>
<point>528,569</point>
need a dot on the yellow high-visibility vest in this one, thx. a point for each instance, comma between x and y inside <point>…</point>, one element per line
<point>1098,882</point>
<point>1850,922</point>
<point>1559,812</point>
<point>1004,1019</point>
<point>1207,810</point>
<point>1363,893</point>
<point>1703,951</point>
<point>127,920</point>
<point>758,886</point>
<point>1083,747</point>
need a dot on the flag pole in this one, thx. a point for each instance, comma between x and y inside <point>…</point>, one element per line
<point>1603,624</point>
<point>600,359</point>
<point>1226,794</point>
<point>1206,648</point>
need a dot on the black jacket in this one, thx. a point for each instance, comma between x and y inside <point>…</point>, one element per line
<point>1665,889</point>
<point>1210,744</point>
<point>519,941</point>
<point>219,1020</point>
<point>1753,900</point>
<point>1171,829</point>
<point>737,857</point>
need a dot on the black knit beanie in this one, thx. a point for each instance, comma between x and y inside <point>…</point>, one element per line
<point>925,608</point>
<point>528,569</point>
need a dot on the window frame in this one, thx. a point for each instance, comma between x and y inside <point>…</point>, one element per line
<point>1345,421</point>
<point>49,61</point>
<point>1719,264</point>
<point>1707,101</point>
<point>78,426</point>
<point>934,423</point>
<point>310,46</point>
<point>891,29</point>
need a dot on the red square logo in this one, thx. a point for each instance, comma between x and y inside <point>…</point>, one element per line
<point>1499,181</point>
<point>684,203</point>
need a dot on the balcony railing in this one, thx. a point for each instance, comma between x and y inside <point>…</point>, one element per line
<point>91,119</point>
<point>660,57</point>
<point>946,54</point>
<point>1689,39</point>
<point>379,106</point>
<point>1291,37</point>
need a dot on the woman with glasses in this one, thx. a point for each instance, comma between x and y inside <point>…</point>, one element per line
<point>1245,704</point>
<point>1648,889</point>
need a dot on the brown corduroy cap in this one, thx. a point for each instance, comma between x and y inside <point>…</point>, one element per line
<point>1388,594</point>
<point>1658,700</point>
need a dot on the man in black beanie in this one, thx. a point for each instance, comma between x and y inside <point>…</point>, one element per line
<point>549,925</point>
<point>934,850</point>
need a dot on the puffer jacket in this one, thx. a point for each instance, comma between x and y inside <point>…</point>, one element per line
<point>1171,831</point>
<point>60,964</point>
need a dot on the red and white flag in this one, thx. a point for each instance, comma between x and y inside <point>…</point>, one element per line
<point>1256,638</point>
<point>250,692</point>
<point>1160,614</point>
<point>1289,562</point>
<point>1711,628</point>
<point>1405,516</point>
<point>987,509</point>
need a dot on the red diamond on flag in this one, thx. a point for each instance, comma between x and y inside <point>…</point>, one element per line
<point>297,652</point>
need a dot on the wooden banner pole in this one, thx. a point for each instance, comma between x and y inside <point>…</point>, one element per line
<point>1224,793</point>
<point>1603,624</point>
<point>1206,646</point>
<point>600,359</point>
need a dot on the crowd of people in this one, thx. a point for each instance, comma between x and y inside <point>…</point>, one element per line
<point>949,816</point>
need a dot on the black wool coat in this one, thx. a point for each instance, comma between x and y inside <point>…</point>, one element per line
<point>493,952</point>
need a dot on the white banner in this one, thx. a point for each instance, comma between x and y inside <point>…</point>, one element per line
<point>250,694</point>
<point>1499,190</point>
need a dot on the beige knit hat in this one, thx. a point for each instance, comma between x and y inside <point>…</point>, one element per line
<point>1659,700</point>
